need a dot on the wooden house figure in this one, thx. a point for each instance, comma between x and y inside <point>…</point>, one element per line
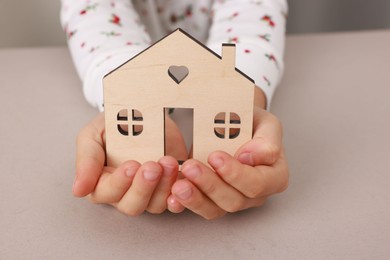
<point>176,72</point>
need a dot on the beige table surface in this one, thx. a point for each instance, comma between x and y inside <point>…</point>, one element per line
<point>334,103</point>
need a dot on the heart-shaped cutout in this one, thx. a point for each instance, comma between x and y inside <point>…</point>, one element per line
<point>178,73</point>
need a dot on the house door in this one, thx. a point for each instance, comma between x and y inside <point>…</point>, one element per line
<point>178,133</point>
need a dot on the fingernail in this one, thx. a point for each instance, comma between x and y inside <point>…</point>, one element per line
<point>184,194</point>
<point>130,172</point>
<point>191,171</point>
<point>246,158</point>
<point>168,170</point>
<point>172,200</point>
<point>151,175</point>
<point>217,162</point>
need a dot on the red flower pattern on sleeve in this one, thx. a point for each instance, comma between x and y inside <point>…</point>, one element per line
<point>125,24</point>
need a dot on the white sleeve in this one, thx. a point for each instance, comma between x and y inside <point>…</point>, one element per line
<point>258,30</point>
<point>102,34</point>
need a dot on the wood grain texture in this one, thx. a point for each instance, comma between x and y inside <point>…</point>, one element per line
<point>212,86</point>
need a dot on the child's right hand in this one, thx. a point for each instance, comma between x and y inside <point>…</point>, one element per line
<point>132,188</point>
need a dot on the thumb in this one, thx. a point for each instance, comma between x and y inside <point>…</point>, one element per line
<point>265,146</point>
<point>90,157</point>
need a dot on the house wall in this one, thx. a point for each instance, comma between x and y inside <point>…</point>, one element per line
<point>211,87</point>
<point>36,23</point>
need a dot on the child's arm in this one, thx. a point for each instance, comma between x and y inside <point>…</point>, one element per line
<point>258,30</point>
<point>102,34</point>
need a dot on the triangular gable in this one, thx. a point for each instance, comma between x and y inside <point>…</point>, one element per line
<point>193,39</point>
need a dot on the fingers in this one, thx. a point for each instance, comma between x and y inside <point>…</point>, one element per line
<point>206,194</point>
<point>190,197</point>
<point>113,185</point>
<point>253,182</point>
<point>90,157</point>
<point>265,147</point>
<point>174,205</point>
<point>151,194</point>
<point>158,202</point>
<point>136,199</point>
<point>232,187</point>
<point>131,188</point>
<point>259,169</point>
<point>223,195</point>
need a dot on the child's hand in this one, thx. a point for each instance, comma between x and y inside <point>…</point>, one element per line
<point>258,170</point>
<point>132,188</point>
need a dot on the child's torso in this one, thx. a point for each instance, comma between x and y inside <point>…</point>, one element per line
<point>163,16</point>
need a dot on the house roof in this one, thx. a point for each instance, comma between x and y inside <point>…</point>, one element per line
<point>192,38</point>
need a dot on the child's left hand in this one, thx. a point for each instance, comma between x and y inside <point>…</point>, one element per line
<point>257,170</point>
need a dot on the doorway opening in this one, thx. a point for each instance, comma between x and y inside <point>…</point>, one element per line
<point>178,133</point>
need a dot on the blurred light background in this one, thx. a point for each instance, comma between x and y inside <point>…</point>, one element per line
<point>36,23</point>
